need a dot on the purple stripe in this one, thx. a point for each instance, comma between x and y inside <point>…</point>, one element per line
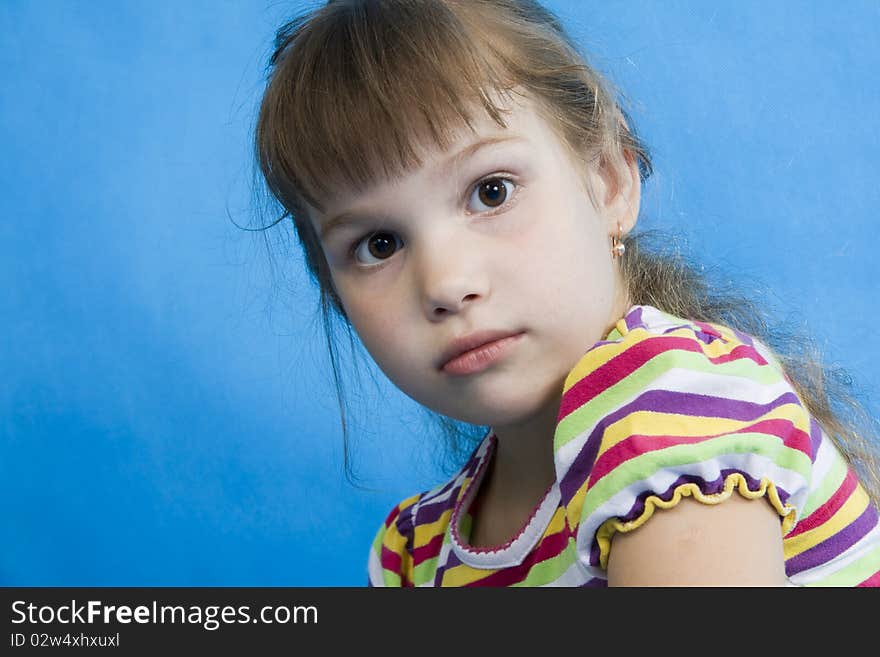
<point>743,337</point>
<point>634,319</point>
<point>815,438</point>
<point>595,583</point>
<point>690,403</point>
<point>834,545</point>
<point>420,513</point>
<point>464,475</point>
<point>690,328</point>
<point>705,337</point>
<point>429,496</point>
<point>594,552</point>
<point>428,513</point>
<point>452,561</point>
<point>663,401</point>
<point>404,524</point>
<point>673,329</point>
<point>599,344</point>
<point>467,471</point>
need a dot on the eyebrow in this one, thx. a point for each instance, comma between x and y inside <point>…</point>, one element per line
<point>465,153</point>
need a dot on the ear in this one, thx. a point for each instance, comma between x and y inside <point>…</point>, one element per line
<point>619,191</point>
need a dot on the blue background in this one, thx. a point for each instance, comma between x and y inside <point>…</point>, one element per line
<point>167,414</point>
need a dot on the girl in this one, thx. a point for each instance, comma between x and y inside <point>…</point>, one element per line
<point>466,190</point>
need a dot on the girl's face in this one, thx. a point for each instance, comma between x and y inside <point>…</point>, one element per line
<point>500,237</point>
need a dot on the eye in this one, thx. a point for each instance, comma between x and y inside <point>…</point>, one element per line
<point>493,192</point>
<point>379,245</point>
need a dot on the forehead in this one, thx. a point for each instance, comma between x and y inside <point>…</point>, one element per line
<point>525,125</point>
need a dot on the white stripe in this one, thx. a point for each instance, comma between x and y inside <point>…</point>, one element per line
<point>827,460</point>
<point>442,559</point>
<point>868,543</point>
<point>374,568</point>
<point>826,457</point>
<point>682,380</point>
<point>574,575</point>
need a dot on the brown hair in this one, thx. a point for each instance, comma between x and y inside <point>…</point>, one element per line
<point>354,85</point>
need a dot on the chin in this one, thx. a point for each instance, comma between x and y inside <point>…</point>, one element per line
<point>496,411</point>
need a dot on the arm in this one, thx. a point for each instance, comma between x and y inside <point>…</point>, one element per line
<point>737,542</point>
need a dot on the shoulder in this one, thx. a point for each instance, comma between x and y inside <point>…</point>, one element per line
<point>412,534</point>
<point>389,549</point>
<point>669,408</point>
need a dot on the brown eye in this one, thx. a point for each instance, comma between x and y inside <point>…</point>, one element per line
<point>492,192</point>
<point>379,245</point>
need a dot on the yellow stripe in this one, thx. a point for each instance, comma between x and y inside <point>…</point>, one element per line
<point>424,533</point>
<point>576,505</point>
<point>557,523</point>
<point>396,542</point>
<point>719,347</point>
<point>673,424</point>
<point>409,501</point>
<point>598,356</point>
<point>588,363</point>
<point>463,574</point>
<point>851,509</point>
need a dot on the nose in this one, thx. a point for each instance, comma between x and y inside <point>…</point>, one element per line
<point>451,279</point>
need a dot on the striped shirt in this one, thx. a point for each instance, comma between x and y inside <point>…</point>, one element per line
<point>664,407</point>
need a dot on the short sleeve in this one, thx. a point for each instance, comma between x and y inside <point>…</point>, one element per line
<point>693,410</point>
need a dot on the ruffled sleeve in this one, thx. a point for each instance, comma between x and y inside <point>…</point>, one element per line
<point>668,408</point>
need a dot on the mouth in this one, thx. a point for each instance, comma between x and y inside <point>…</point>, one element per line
<point>478,351</point>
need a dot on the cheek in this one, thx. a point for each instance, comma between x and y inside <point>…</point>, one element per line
<point>562,255</point>
<point>378,324</point>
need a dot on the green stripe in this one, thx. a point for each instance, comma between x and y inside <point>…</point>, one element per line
<point>377,541</point>
<point>552,568</point>
<point>854,573</point>
<point>643,466</point>
<point>390,578</point>
<point>833,478</point>
<point>425,571</point>
<point>610,399</point>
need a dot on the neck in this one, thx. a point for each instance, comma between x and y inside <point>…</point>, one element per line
<point>523,466</point>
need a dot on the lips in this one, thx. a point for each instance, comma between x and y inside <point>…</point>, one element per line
<point>472,341</point>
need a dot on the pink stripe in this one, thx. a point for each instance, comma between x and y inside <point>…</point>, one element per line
<point>829,508</point>
<point>391,561</point>
<point>618,368</point>
<point>627,362</point>
<point>639,444</point>
<point>549,547</point>
<point>706,328</point>
<point>873,580</point>
<point>428,551</point>
<point>391,516</point>
<point>739,352</point>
